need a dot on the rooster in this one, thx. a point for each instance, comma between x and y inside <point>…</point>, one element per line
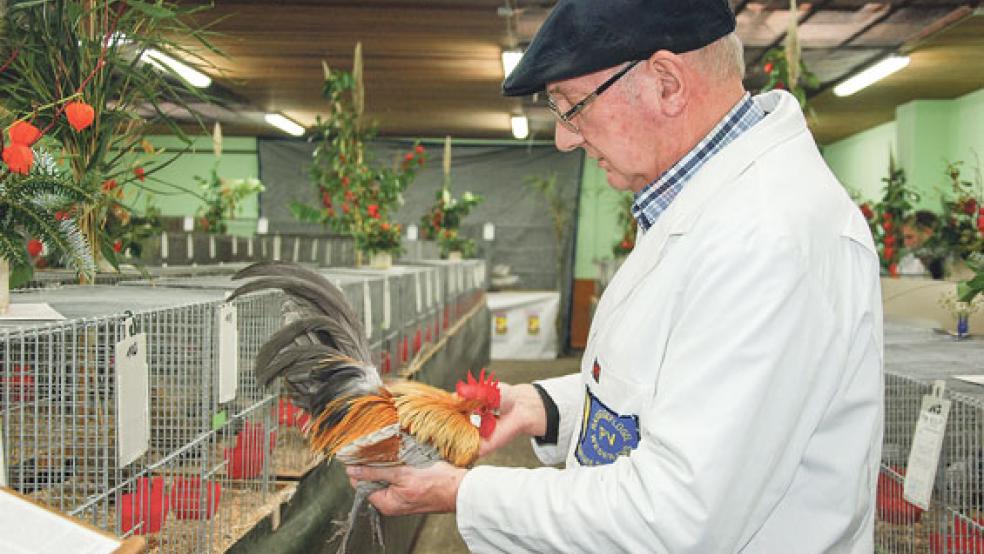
<point>323,354</point>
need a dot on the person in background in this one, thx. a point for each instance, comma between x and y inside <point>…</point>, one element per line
<point>730,395</point>
<point>917,233</point>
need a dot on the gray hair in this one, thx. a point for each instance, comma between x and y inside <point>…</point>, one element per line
<point>722,59</point>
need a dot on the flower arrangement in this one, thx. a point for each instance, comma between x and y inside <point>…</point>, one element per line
<point>972,290</point>
<point>450,241</point>
<point>380,236</point>
<point>351,190</point>
<point>961,230</point>
<point>222,196</point>
<point>629,227</point>
<point>88,61</point>
<point>885,219</point>
<point>443,220</point>
<point>38,207</point>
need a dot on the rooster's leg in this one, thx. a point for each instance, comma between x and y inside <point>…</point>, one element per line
<point>344,527</point>
<point>376,524</point>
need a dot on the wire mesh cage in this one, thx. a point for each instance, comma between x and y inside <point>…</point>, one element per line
<point>61,417</point>
<point>954,523</point>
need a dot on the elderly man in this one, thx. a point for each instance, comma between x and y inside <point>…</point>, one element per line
<point>729,399</point>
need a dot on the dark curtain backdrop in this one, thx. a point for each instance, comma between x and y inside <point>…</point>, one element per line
<point>524,235</point>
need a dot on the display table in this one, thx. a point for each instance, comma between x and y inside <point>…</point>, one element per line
<point>523,324</point>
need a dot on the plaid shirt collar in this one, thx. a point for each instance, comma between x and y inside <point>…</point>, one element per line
<point>656,197</point>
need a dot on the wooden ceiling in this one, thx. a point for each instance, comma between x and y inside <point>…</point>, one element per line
<point>432,67</point>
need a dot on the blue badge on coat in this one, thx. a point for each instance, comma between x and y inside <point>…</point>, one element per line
<point>605,435</point>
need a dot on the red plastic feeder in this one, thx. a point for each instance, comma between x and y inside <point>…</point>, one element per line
<point>286,412</point>
<point>417,342</point>
<point>186,498</point>
<point>20,384</point>
<point>405,350</point>
<point>387,364</point>
<point>890,504</point>
<point>963,540</point>
<point>144,511</point>
<point>245,460</point>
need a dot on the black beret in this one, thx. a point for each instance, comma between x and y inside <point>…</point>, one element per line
<point>584,36</point>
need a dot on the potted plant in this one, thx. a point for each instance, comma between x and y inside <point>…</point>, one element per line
<point>443,220</point>
<point>222,196</point>
<point>349,186</point>
<point>382,240</point>
<point>629,227</point>
<point>886,220</point>
<point>38,209</point>
<point>961,224</point>
<point>94,58</point>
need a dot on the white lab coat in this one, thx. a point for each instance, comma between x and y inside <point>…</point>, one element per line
<point>745,335</point>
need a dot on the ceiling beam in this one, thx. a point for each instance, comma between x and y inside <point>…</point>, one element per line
<point>814,9</point>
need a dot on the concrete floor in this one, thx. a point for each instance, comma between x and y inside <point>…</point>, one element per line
<point>439,533</point>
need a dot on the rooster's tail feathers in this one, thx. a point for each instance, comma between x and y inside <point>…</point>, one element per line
<point>339,338</point>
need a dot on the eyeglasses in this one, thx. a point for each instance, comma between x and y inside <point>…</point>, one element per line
<point>566,118</point>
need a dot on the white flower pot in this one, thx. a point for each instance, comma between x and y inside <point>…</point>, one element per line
<point>4,286</point>
<point>454,256</point>
<point>381,260</point>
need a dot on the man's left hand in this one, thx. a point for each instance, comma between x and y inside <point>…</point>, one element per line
<point>432,489</point>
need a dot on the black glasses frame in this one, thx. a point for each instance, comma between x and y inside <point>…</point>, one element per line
<point>567,117</point>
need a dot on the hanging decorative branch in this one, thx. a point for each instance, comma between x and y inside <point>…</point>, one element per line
<point>784,66</point>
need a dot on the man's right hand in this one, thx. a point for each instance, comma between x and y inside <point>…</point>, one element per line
<point>521,412</point>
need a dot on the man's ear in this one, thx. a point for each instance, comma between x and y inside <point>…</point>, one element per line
<point>672,85</point>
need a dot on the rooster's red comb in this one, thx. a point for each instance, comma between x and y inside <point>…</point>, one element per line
<point>484,389</point>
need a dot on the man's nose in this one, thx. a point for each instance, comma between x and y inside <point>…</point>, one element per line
<point>565,139</point>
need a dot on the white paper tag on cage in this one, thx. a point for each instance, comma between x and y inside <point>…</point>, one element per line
<point>386,303</point>
<point>132,399</point>
<point>367,307</point>
<point>430,290</point>
<point>416,289</point>
<point>228,352</point>
<point>927,443</point>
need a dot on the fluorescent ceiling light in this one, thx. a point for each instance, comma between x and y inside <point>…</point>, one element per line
<point>510,59</point>
<point>520,126</point>
<point>871,75</point>
<point>284,124</point>
<point>164,62</point>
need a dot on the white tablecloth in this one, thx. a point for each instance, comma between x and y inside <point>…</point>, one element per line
<point>524,324</point>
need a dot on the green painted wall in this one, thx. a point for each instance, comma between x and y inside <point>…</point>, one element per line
<point>598,227</point>
<point>926,141</point>
<point>926,134</point>
<point>239,160</point>
<point>861,161</point>
<point>969,126</point>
